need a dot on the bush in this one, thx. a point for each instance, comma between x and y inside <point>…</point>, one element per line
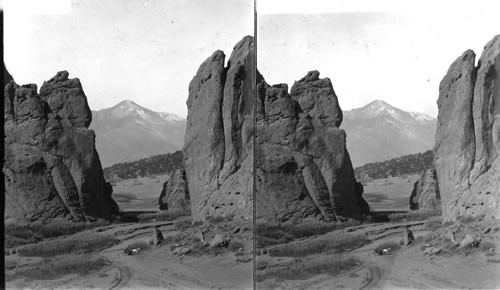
<point>392,245</point>
<point>466,219</point>
<point>21,235</point>
<point>168,215</point>
<point>268,235</point>
<point>235,246</point>
<point>434,223</point>
<point>416,215</point>
<point>305,270</point>
<point>53,268</point>
<point>215,219</point>
<point>337,244</point>
<point>83,242</point>
<point>139,245</point>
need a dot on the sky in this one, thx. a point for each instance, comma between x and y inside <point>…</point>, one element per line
<point>146,51</point>
<point>149,50</point>
<point>397,51</point>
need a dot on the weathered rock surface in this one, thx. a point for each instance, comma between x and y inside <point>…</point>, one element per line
<point>175,193</point>
<point>303,168</point>
<point>157,236</point>
<point>467,144</point>
<point>218,147</point>
<point>425,194</point>
<point>51,167</point>
<point>408,237</point>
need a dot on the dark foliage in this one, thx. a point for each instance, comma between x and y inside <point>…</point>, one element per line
<point>154,165</point>
<point>408,164</point>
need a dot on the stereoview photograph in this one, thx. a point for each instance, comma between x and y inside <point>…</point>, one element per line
<point>377,145</point>
<point>129,144</point>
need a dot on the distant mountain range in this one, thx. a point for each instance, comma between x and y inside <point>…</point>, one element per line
<point>129,132</point>
<point>376,132</point>
<point>379,131</point>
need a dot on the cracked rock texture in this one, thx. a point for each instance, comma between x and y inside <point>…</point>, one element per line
<point>303,168</point>
<point>175,193</point>
<point>467,142</point>
<point>51,169</point>
<point>218,148</point>
<point>425,194</point>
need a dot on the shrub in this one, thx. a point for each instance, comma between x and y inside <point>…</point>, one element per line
<point>215,219</point>
<point>83,242</point>
<point>434,223</point>
<point>235,246</point>
<point>184,224</point>
<point>307,269</point>
<point>392,245</point>
<point>168,215</point>
<point>21,235</point>
<point>139,245</point>
<point>416,215</point>
<point>268,235</point>
<point>337,244</point>
<point>53,268</point>
<point>466,219</point>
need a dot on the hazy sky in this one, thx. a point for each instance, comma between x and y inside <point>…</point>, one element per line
<point>149,50</point>
<point>143,50</point>
<point>397,51</point>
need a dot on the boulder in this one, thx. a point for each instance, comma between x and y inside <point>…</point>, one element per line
<point>467,145</point>
<point>425,194</point>
<point>218,147</point>
<point>219,241</point>
<point>303,168</point>
<point>51,167</point>
<point>175,194</point>
<point>467,241</point>
<point>408,237</point>
<point>157,237</point>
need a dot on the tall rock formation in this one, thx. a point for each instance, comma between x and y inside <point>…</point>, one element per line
<point>425,194</point>
<point>218,147</point>
<point>467,138</point>
<point>51,167</point>
<point>175,193</point>
<point>302,164</point>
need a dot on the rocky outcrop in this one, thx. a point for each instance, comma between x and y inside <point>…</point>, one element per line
<point>303,168</point>
<point>425,194</point>
<point>175,193</point>
<point>51,167</point>
<point>467,144</point>
<point>218,148</point>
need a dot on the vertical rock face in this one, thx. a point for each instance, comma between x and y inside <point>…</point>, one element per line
<point>467,145</point>
<point>218,148</point>
<point>51,167</point>
<point>175,194</point>
<point>425,194</point>
<point>302,165</point>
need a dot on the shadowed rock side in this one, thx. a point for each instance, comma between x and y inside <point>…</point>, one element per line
<point>303,168</point>
<point>51,167</point>
<point>425,194</point>
<point>218,148</point>
<point>175,194</point>
<point>467,144</point>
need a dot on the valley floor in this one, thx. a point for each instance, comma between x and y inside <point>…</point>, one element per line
<point>155,268</point>
<point>405,268</point>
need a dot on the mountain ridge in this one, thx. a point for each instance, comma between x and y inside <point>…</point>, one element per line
<point>379,131</point>
<point>128,132</point>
